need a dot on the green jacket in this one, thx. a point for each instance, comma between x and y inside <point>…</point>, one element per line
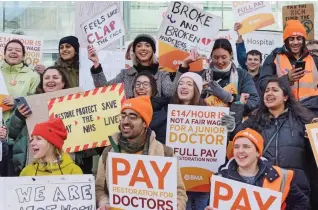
<point>71,72</point>
<point>26,79</point>
<point>18,136</point>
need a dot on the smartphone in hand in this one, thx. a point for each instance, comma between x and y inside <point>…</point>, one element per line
<point>300,64</point>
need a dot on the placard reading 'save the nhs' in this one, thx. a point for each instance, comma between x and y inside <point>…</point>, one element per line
<point>186,26</point>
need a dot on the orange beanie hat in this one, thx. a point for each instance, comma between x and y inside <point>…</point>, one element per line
<point>252,135</point>
<point>141,105</point>
<point>53,131</point>
<point>294,28</point>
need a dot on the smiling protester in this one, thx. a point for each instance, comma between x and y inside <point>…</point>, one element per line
<point>69,59</point>
<point>19,78</point>
<point>282,62</point>
<point>144,58</point>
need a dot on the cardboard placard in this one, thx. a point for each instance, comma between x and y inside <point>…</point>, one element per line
<point>312,130</point>
<point>198,139</point>
<point>230,194</point>
<point>143,181</point>
<point>305,13</point>
<point>171,58</point>
<point>33,47</point>
<point>38,103</point>
<point>3,93</point>
<point>89,117</point>
<point>186,26</point>
<point>105,28</point>
<point>214,101</point>
<point>253,15</point>
<point>112,63</point>
<point>48,192</point>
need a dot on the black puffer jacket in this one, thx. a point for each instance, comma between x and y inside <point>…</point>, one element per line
<point>288,148</point>
<point>296,199</point>
<point>159,117</point>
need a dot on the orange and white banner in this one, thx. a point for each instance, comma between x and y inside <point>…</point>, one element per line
<point>90,117</point>
<point>142,182</point>
<point>253,15</point>
<point>198,139</point>
<point>230,194</point>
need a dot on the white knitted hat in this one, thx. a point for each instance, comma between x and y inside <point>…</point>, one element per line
<point>197,79</point>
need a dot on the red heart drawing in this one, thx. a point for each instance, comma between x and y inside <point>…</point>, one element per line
<point>206,41</point>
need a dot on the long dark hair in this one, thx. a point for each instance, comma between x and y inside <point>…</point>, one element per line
<point>152,80</point>
<point>223,44</point>
<point>262,115</point>
<point>39,89</point>
<point>196,100</point>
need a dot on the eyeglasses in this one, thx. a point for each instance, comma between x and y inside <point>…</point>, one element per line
<point>144,84</point>
<point>131,117</point>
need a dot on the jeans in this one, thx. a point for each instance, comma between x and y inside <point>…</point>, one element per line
<point>197,200</point>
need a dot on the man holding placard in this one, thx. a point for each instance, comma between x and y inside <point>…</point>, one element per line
<point>135,138</point>
<point>248,166</point>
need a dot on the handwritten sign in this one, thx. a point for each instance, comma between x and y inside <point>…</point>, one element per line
<point>230,194</point>
<point>3,93</point>
<point>48,192</point>
<point>198,139</point>
<point>305,13</point>
<point>185,27</point>
<point>171,58</point>
<point>105,28</point>
<point>142,181</point>
<point>252,15</point>
<point>112,63</point>
<point>33,47</point>
<point>312,130</point>
<point>90,117</point>
<point>214,101</point>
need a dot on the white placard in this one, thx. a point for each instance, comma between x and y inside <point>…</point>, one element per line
<point>186,26</point>
<point>152,179</point>
<point>48,192</point>
<point>105,28</point>
<point>112,63</point>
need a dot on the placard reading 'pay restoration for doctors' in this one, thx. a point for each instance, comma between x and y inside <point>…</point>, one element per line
<point>230,194</point>
<point>105,28</point>
<point>198,139</point>
<point>90,117</point>
<point>186,26</point>
<point>142,182</point>
<point>68,192</point>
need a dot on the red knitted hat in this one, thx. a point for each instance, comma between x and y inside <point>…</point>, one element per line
<point>53,131</point>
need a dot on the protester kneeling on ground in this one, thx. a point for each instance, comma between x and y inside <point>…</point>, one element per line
<point>46,142</point>
<point>250,167</point>
<point>135,138</point>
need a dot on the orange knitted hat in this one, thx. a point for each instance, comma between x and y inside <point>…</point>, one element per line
<point>252,135</point>
<point>294,28</point>
<point>141,105</point>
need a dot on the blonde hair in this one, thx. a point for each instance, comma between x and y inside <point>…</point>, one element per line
<point>53,154</point>
<point>153,60</point>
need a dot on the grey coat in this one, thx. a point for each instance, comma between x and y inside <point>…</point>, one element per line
<point>165,86</point>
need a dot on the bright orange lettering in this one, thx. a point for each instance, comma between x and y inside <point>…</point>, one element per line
<point>267,204</point>
<point>161,174</point>
<point>140,167</point>
<point>115,170</point>
<point>242,195</point>
<point>218,197</point>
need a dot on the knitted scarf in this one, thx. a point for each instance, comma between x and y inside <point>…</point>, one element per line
<point>139,144</point>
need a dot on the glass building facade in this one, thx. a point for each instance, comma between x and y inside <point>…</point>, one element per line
<point>53,20</point>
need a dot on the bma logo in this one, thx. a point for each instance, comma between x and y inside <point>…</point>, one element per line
<point>127,105</point>
<point>192,177</point>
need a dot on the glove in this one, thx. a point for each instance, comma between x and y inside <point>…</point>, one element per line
<point>228,121</point>
<point>219,92</point>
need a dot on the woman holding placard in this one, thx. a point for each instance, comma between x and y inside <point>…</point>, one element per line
<point>19,78</point>
<point>144,58</point>
<point>281,121</point>
<point>223,73</point>
<point>46,142</point>
<point>249,167</point>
